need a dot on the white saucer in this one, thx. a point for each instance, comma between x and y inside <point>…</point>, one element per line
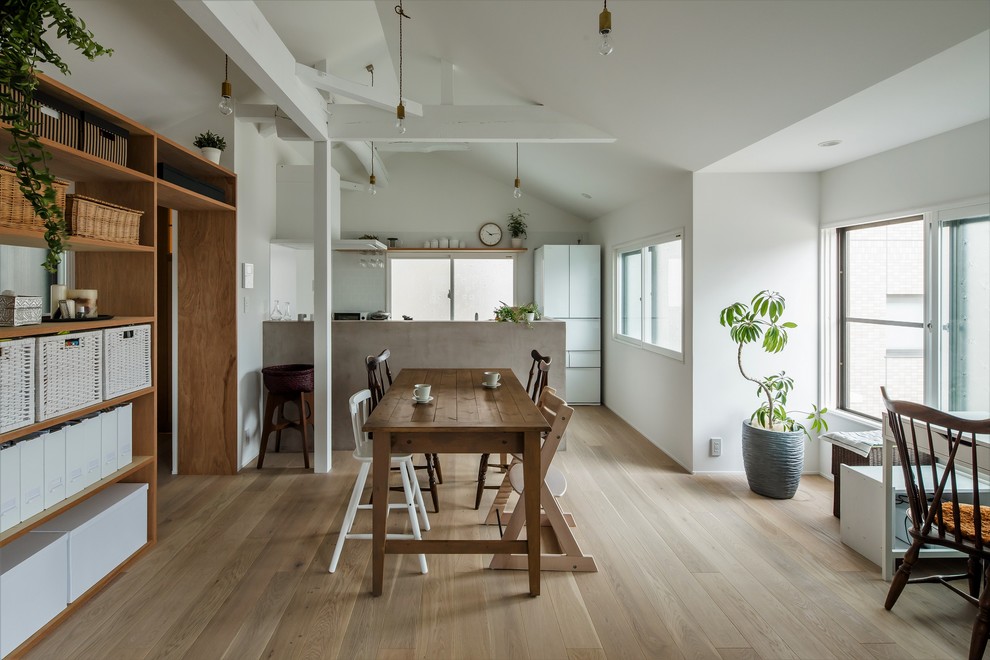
<point>421,400</point>
<point>492,387</point>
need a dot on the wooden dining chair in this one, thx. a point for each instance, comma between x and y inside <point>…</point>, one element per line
<point>360,407</point>
<point>553,484</point>
<point>378,372</point>
<point>944,500</point>
<point>539,375</point>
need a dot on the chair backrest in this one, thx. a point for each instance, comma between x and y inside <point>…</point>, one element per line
<point>360,407</point>
<point>377,365</point>
<point>539,373</point>
<point>936,488</point>
<point>558,414</point>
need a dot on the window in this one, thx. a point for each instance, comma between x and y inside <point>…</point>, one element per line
<point>432,288</point>
<point>914,312</point>
<point>649,294</point>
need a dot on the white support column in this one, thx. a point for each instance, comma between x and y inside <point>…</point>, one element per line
<point>326,210</point>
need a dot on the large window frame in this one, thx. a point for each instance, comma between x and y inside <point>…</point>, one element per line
<point>650,308</point>
<point>936,342</point>
<point>451,257</point>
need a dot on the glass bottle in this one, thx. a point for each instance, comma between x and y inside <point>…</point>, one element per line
<point>276,314</point>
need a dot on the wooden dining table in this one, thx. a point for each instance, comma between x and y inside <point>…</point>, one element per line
<point>463,417</point>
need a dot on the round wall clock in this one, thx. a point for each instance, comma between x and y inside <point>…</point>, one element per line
<point>490,234</point>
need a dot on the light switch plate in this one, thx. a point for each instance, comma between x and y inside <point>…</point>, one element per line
<point>247,275</point>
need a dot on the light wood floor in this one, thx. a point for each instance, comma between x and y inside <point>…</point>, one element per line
<point>694,567</point>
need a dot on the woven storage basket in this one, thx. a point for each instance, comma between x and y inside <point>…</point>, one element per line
<point>16,384</point>
<point>288,378</point>
<point>70,375</point>
<point>15,210</point>
<point>126,360</point>
<point>94,218</point>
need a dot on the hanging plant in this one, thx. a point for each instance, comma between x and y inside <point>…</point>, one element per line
<point>23,27</point>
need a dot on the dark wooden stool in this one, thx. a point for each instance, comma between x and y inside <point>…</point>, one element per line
<point>287,383</point>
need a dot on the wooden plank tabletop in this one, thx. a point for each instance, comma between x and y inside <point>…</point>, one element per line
<point>460,404</point>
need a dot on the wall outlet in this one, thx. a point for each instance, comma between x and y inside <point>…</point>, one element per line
<point>715,446</point>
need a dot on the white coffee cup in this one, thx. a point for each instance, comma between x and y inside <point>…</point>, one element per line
<point>492,378</point>
<point>421,391</point>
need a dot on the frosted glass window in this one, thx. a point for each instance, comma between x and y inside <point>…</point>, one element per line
<point>420,289</point>
<point>448,288</point>
<point>481,285</point>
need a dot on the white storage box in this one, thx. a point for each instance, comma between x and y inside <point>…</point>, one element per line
<point>125,453</point>
<point>20,310</point>
<point>33,575</point>
<point>75,458</point>
<point>93,439</point>
<point>54,466</point>
<point>69,373</point>
<point>32,476</point>
<point>16,384</point>
<point>10,486</point>
<point>108,442</point>
<point>126,360</point>
<point>104,531</point>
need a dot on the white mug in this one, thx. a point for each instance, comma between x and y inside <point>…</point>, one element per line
<point>421,391</point>
<point>492,378</point>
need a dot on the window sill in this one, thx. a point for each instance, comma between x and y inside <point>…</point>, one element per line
<point>636,343</point>
<point>855,418</point>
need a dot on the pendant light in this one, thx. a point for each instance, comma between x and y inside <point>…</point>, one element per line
<point>605,30</point>
<point>516,191</point>
<point>226,105</point>
<point>372,188</point>
<point>400,110</point>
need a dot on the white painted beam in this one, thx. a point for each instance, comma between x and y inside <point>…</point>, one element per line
<point>458,123</point>
<point>446,82</point>
<point>378,98</point>
<point>240,29</point>
<point>351,186</point>
<point>364,153</point>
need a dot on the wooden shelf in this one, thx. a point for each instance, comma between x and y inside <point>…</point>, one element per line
<point>461,250</point>
<point>72,164</point>
<point>176,197</point>
<point>55,421</point>
<point>62,92</point>
<point>21,331</point>
<point>36,238</point>
<point>26,526</point>
<point>189,161</point>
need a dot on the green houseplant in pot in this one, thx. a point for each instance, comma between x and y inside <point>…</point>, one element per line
<point>210,145</point>
<point>24,28</point>
<point>517,227</point>
<point>772,440</point>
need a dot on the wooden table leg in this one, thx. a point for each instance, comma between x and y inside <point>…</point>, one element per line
<point>531,492</point>
<point>380,463</point>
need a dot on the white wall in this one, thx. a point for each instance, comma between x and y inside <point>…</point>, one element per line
<point>650,391</point>
<point>751,232</point>
<point>429,197</point>
<point>950,167</point>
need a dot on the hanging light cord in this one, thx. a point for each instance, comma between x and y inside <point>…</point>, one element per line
<point>372,160</point>
<point>517,160</point>
<point>226,63</point>
<point>402,14</point>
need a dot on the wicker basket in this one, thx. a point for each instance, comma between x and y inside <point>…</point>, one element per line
<point>288,378</point>
<point>69,371</point>
<point>126,360</point>
<point>15,210</point>
<point>94,218</point>
<point>16,384</point>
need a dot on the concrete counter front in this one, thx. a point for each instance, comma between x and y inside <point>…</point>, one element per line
<point>416,344</point>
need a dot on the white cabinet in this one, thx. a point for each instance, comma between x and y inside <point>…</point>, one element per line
<point>567,282</point>
<point>33,576</point>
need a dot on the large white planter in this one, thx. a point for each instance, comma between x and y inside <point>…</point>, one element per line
<point>211,154</point>
<point>517,242</point>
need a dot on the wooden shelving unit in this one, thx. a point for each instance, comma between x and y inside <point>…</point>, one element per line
<point>126,278</point>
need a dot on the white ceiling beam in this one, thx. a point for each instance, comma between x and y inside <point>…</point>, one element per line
<point>365,153</point>
<point>240,29</point>
<point>459,123</point>
<point>350,186</point>
<point>446,82</point>
<point>377,98</point>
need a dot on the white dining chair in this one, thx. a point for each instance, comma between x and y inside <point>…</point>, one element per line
<point>360,406</point>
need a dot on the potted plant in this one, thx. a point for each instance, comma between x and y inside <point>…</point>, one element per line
<point>517,313</point>
<point>517,227</point>
<point>772,440</point>
<point>24,26</point>
<point>211,145</point>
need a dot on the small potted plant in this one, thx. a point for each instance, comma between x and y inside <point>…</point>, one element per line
<point>772,440</point>
<point>517,313</point>
<point>517,227</point>
<point>210,145</point>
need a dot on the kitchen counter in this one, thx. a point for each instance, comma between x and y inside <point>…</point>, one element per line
<point>417,344</point>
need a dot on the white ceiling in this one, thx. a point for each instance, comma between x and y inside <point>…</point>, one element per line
<point>729,85</point>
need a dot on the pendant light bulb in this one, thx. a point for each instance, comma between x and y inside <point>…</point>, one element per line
<point>226,105</point>
<point>400,118</point>
<point>517,187</point>
<point>605,30</point>
<point>372,188</point>
<point>517,191</point>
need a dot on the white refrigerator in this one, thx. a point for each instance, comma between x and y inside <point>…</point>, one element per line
<point>567,281</point>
